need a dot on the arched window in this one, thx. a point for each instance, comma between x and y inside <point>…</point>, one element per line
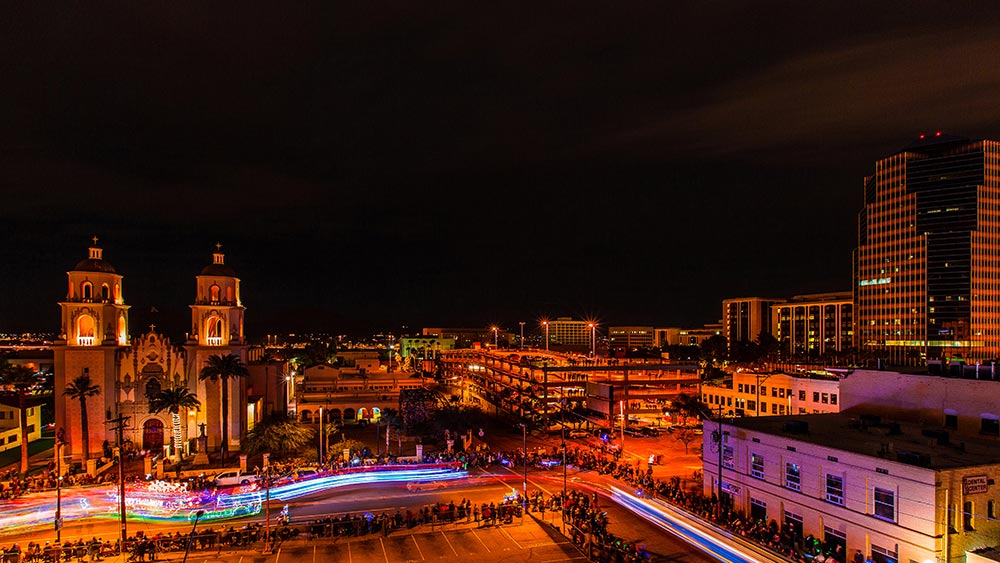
<point>105,292</point>
<point>153,388</point>
<point>213,293</point>
<point>87,291</point>
<point>118,293</point>
<point>214,331</point>
<point>122,336</point>
<point>86,328</point>
<point>229,294</point>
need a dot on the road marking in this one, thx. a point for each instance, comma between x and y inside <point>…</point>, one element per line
<point>350,559</point>
<point>449,544</point>
<point>384,554</point>
<point>414,538</point>
<point>314,553</point>
<point>488,550</point>
<point>511,538</point>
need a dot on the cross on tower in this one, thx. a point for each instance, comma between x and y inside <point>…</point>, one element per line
<point>95,240</point>
<point>218,246</point>
<point>152,328</point>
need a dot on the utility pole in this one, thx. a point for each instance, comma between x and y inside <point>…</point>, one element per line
<point>60,440</point>
<point>522,334</point>
<point>120,422</point>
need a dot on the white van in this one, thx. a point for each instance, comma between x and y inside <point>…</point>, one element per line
<point>231,478</point>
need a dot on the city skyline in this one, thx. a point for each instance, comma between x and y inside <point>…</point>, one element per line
<point>400,166</point>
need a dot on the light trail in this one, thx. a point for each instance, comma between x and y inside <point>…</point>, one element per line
<point>713,546</point>
<point>154,503</point>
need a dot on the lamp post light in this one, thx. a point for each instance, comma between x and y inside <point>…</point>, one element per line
<point>496,338</point>
<point>545,324</point>
<point>522,334</point>
<point>593,340</point>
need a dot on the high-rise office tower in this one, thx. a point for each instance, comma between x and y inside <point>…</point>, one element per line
<point>927,266</point>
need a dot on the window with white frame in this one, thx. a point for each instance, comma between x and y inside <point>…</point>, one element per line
<point>884,555</point>
<point>793,476</point>
<point>835,489</point>
<point>884,505</point>
<point>757,466</point>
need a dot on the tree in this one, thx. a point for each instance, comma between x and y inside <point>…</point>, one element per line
<point>355,447</point>
<point>223,368</point>
<point>80,389</point>
<point>417,406</point>
<point>770,348</point>
<point>685,436</point>
<point>279,435</point>
<point>173,401</point>
<point>690,406</point>
<point>20,379</point>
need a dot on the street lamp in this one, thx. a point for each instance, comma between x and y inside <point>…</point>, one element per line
<point>546,325</point>
<point>321,452</point>
<point>593,340</point>
<point>522,334</point>
<point>496,338</point>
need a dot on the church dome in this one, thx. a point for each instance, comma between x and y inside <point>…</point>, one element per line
<point>94,265</point>
<point>94,262</point>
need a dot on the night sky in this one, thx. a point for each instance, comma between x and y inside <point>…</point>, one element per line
<point>441,164</point>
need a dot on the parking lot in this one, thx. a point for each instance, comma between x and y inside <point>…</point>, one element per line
<point>529,540</point>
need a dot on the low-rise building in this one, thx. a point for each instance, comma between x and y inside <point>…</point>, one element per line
<point>896,491</point>
<point>350,394</point>
<point>424,347</point>
<point>748,393</point>
<point>10,421</point>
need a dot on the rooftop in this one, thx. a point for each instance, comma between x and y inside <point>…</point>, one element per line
<point>928,446</point>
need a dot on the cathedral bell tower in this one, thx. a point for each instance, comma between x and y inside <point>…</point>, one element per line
<point>217,313</point>
<point>94,328</point>
<point>217,330</point>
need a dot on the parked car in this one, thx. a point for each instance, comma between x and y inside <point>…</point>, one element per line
<point>650,431</point>
<point>231,478</point>
<point>578,434</point>
<point>634,432</point>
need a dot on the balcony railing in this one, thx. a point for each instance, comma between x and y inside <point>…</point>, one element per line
<point>214,340</point>
<point>85,340</point>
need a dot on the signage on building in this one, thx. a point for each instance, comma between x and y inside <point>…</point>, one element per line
<point>731,488</point>
<point>974,484</point>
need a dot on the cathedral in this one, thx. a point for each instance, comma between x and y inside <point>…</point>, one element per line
<point>94,339</point>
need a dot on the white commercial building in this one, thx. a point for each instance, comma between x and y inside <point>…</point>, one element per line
<point>899,491</point>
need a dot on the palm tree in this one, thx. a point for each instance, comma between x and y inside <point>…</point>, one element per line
<point>223,368</point>
<point>80,389</point>
<point>392,421</point>
<point>173,401</point>
<point>21,379</point>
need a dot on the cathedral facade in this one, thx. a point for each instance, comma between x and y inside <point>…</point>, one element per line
<point>94,340</point>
